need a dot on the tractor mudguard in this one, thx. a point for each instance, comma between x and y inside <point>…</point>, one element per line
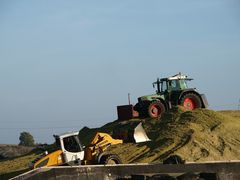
<point>187,91</point>
<point>204,101</point>
<point>201,96</point>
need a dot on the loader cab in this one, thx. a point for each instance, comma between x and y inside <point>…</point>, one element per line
<point>71,147</point>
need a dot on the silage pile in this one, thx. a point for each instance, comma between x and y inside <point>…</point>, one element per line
<point>199,135</point>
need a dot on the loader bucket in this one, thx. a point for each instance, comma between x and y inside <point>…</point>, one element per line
<point>131,132</point>
<point>140,134</point>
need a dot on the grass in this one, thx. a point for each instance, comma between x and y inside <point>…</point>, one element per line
<point>14,166</point>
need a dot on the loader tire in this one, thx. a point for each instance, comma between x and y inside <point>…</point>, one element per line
<point>110,159</point>
<point>174,159</point>
<point>156,109</point>
<point>190,101</point>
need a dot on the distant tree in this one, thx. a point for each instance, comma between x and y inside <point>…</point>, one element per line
<point>26,139</point>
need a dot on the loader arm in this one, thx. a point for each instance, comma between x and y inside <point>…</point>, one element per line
<point>99,143</point>
<point>52,159</point>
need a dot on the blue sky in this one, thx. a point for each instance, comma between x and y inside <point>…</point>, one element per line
<point>68,64</point>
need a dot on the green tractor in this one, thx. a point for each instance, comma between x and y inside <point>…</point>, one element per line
<point>171,91</point>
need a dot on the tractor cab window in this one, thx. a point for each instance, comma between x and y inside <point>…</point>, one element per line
<point>174,84</point>
<point>183,84</point>
<point>71,144</point>
<point>163,86</point>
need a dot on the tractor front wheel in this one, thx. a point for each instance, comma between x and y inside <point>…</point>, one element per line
<point>155,109</point>
<point>191,101</point>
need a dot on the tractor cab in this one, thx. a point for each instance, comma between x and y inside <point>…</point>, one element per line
<point>177,82</point>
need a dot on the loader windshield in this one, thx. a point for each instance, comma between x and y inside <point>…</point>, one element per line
<point>71,144</point>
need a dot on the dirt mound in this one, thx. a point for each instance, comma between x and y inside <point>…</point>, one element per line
<point>199,135</point>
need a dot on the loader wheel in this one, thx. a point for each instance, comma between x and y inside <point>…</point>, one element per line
<point>110,159</point>
<point>191,101</point>
<point>174,159</point>
<point>155,109</point>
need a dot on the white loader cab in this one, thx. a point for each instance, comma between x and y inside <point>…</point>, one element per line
<point>72,150</point>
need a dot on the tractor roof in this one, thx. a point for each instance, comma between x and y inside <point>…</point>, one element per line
<point>176,77</point>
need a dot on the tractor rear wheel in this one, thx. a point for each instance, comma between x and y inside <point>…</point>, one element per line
<point>110,159</point>
<point>156,109</point>
<point>191,101</point>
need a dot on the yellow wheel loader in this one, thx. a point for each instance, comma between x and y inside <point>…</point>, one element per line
<point>71,152</point>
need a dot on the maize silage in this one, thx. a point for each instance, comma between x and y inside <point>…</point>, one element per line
<point>198,135</point>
